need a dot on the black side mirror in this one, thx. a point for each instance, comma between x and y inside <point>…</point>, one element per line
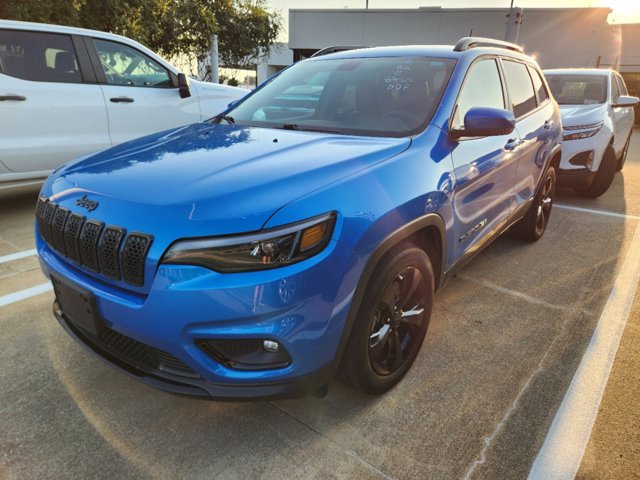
<point>183,86</point>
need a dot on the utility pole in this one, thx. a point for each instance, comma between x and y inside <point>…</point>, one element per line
<point>214,59</point>
<point>514,20</point>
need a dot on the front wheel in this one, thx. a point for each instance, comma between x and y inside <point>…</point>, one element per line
<point>623,156</point>
<point>392,321</point>
<point>604,175</point>
<point>532,226</point>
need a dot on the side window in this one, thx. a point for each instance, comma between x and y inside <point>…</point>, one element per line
<point>538,85</point>
<point>615,91</point>
<point>622,88</point>
<point>482,88</point>
<point>38,57</point>
<point>126,66</point>
<point>523,98</point>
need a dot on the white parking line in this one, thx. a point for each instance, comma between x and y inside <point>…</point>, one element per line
<point>563,448</point>
<point>594,211</point>
<point>18,256</point>
<point>26,293</point>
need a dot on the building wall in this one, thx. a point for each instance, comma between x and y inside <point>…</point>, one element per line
<point>562,37</point>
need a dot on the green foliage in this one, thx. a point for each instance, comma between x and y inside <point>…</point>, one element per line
<point>245,28</point>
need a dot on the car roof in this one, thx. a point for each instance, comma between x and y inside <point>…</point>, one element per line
<point>46,27</point>
<point>443,51</point>
<point>601,72</point>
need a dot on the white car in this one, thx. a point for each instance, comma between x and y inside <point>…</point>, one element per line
<point>597,122</point>
<point>67,92</point>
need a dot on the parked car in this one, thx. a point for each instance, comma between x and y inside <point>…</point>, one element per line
<point>253,255</point>
<point>67,92</point>
<point>597,119</point>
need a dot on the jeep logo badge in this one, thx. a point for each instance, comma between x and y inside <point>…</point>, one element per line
<point>84,202</point>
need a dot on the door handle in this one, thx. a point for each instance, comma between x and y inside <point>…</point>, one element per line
<point>15,98</point>
<point>122,100</point>
<point>512,144</point>
<point>548,124</point>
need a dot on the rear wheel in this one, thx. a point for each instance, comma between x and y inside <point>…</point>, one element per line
<point>623,156</point>
<point>532,226</point>
<point>392,321</point>
<point>604,176</point>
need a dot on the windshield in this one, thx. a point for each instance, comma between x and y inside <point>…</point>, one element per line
<point>578,89</point>
<point>390,97</point>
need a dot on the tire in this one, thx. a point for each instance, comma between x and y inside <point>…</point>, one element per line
<point>623,156</point>
<point>604,176</point>
<point>532,226</point>
<point>392,321</point>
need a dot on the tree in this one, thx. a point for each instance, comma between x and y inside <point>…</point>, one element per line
<point>246,29</point>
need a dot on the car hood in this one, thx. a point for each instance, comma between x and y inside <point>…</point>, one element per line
<point>209,179</point>
<point>575,115</point>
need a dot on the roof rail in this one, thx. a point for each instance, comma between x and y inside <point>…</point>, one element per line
<point>334,49</point>
<point>469,42</point>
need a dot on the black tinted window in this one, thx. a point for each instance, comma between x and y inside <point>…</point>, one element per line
<point>40,57</point>
<point>482,88</point>
<point>538,85</point>
<point>523,98</point>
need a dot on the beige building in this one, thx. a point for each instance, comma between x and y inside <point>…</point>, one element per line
<point>556,37</point>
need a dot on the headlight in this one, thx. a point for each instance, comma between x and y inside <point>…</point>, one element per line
<point>271,248</point>
<point>579,132</point>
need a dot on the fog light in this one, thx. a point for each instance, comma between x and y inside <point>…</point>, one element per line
<point>246,353</point>
<point>270,346</point>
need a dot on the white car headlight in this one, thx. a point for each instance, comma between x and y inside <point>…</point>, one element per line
<point>578,132</point>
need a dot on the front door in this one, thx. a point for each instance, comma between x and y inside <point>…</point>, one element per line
<point>484,168</point>
<point>140,93</point>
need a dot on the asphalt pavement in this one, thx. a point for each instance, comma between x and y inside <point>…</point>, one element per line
<point>507,335</point>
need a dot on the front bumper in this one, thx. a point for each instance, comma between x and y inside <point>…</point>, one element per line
<point>303,306</point>
<point>577,174</point>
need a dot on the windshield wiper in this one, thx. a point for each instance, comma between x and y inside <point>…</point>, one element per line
<point>227,118</point>
<point>295,126</point>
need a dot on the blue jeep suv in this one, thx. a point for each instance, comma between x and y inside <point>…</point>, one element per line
<point>304,231</point>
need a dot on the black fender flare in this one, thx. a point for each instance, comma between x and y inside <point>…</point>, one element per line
<point>390,241</point>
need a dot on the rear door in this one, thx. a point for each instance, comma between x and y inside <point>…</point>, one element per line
<point>485,167</point>
<point>50,110</point>
<point>534,114</point>
<point>141,94</point>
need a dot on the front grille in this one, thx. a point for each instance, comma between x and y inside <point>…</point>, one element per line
<point>107,251</point>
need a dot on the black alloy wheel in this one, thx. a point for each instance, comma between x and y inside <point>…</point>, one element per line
<point>396,322</point>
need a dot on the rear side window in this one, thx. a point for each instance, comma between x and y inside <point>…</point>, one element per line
<point>482,88</point>
<point>39,57</point>
<point>538,85</point>
<point>523,98</point>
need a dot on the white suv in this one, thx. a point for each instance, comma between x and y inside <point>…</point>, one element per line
<point>66,92</point>
<point>597,122</point>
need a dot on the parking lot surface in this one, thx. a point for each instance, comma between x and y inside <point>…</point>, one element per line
<point>506,337</point>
